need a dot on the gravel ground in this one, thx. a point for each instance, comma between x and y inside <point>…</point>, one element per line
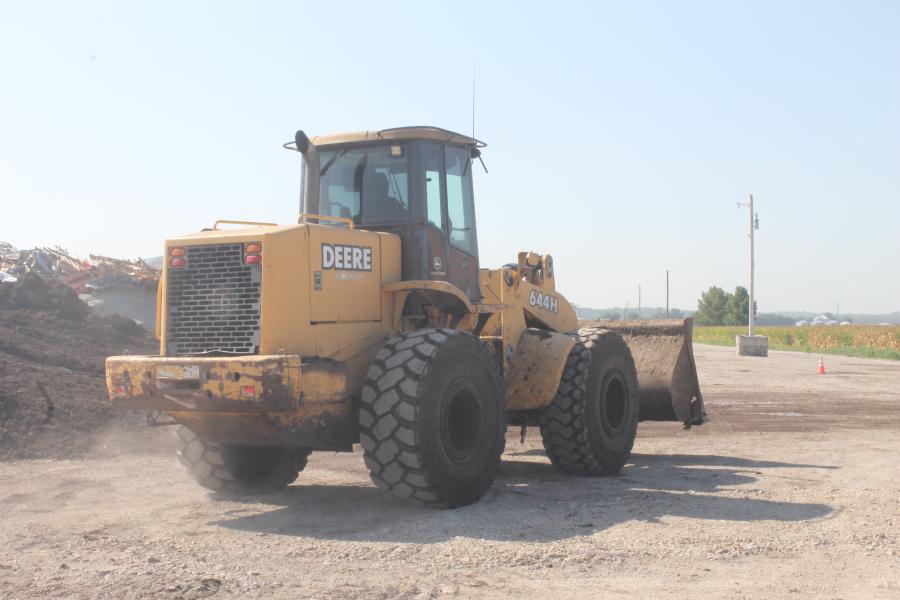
<point>790,491</point>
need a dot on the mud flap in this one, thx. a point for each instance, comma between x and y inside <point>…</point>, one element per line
<point>667,374</point>
<point>540,357</point>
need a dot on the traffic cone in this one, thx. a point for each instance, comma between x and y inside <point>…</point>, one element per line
<point>821,365</point>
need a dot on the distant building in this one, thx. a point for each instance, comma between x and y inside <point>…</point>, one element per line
<point>823,320</point>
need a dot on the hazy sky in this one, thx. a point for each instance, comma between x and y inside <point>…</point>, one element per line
<point>620,136</point>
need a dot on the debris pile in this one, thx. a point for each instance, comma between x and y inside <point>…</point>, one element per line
<point>8,256</point>
<point>52,351</point>
<point>81,275</point>
<point>111,285</point>
<point>109,272</point>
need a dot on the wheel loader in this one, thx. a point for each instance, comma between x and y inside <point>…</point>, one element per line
<point>371,321</point>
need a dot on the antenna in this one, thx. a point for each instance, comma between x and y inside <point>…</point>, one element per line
<point>475,151</point>
<point>473,99</point>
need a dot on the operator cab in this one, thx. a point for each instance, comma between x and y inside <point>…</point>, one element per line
<point>415,182</point>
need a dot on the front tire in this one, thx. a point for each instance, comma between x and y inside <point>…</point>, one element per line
<point>239,469</point>
<point>590,426</point>
<point>431,417</point>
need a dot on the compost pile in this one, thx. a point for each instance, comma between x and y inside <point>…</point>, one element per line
<point>52,352</point>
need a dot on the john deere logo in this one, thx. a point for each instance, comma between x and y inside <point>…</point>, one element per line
<point>341,257</point>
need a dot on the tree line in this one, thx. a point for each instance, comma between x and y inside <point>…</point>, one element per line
<point>718,307</point>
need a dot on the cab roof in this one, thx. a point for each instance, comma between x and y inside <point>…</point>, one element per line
<point>417,132</point>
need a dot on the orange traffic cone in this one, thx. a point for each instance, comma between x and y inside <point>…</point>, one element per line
<point>821,365</point>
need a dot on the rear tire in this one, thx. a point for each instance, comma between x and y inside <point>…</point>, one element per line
<point>590,426</point>
<point>431,417</point>
<point>239,469</point>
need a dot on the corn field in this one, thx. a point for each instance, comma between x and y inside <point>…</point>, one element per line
<point>872,341</point>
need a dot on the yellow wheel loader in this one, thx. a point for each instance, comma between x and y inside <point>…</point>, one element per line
<point>370,321</point>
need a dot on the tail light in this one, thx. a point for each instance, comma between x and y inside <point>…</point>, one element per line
<point>253,253</point>
<point>177,258</point>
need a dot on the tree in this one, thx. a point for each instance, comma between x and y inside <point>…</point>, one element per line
<point>738,306</point>
<point>711,307</point>
<point>676,313</point>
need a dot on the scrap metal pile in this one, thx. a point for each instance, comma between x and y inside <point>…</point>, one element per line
<point>83,276</point>
<point>109,285</point>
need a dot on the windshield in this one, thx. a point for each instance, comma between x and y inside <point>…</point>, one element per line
<point>369,184</point>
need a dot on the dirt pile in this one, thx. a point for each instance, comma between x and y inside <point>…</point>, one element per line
<point>52,352</point>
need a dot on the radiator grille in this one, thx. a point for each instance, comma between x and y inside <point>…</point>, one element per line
<point>213,303</point>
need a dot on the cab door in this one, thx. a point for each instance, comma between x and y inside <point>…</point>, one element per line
<point>435,234</point>
<point>462,263</point>
<point>450,211</point>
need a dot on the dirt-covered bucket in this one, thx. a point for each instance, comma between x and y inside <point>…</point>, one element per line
<point>667,374</point>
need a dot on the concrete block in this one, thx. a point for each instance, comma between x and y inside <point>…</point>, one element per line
<point>752,345</point>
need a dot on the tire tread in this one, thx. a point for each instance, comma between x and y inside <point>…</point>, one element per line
<point>213,466</point>
<point>389,409</point>
<point>564,429</point>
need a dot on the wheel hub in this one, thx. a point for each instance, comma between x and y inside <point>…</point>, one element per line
<point>462,423</point>
<point>614,402</point>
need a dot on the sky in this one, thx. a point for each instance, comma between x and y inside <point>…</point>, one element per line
<point>621,136</point>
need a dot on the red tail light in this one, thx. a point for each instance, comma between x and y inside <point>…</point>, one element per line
<point>177,263</point>
<point>252,253</point>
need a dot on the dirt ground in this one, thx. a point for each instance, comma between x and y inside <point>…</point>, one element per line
<point>791,491</point>
<point>52,352</point>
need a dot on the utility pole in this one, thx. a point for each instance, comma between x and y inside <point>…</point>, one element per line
<point>754,224</point>
<point>639,301</point>
<point>667,293</point>
<point>752,345</point>
<point>752,267</point>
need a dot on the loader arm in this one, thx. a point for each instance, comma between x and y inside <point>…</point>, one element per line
<point>524,323</point>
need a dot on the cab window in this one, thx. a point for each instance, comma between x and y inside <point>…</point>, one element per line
<point>368,184</point>
<point>432,159</point>
<point>460,201</point>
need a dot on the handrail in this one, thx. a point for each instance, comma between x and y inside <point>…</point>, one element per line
<point>304,216</point>
<point>233,222</point>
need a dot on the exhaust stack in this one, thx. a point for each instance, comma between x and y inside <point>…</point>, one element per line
<point>309,202</point>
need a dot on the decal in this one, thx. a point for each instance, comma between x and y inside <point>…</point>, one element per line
<point>437,265</point>
<point>349,276</point>
<point>548,302</point>
<point>178,372</point>
<point>344,257</point>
